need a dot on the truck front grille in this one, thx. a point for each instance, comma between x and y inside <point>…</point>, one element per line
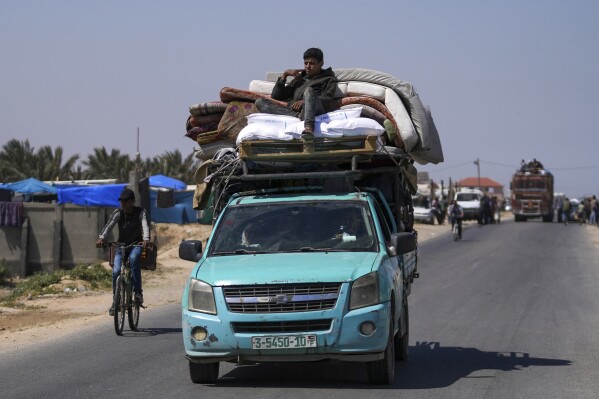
<point>281,298</point>
<point>282,326</point>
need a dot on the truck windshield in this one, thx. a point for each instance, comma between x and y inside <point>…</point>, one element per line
<point>467,197</point>
<point>421,202</point>
<point>294,227</point>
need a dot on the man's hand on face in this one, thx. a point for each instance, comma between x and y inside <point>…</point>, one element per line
<point>291,72</point>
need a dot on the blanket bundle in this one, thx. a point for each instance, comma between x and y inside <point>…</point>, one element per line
<point>11,214</point>
<point>383,105</point>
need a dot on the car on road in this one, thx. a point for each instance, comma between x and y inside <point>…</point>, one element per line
<point>423,212</point>
<point>469,200</point>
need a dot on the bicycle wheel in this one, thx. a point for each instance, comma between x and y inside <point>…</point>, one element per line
<point>132,310</point>
<point>119,306</point>
<point>455,232</point>
<point>120,301</point>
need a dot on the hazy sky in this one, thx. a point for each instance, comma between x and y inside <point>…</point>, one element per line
<point>505,80</point>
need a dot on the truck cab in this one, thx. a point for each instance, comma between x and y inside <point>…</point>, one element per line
<point>303,273</point>
<point>469,200</point>
<point>532,193</point>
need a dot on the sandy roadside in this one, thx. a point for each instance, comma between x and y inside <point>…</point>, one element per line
<point>54,317</point>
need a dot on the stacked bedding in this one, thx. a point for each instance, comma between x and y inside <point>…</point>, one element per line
<point>369,103</point>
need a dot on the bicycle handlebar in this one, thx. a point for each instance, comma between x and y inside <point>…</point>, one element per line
<point>123,245</point>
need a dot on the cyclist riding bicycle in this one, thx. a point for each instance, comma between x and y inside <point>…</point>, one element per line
<point>133,227</point>
<point>455,213</point>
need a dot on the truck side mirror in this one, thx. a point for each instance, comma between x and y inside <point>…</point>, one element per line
<point>190,250</point>
<point>403,242</point>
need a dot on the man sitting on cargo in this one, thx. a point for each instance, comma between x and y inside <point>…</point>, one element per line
<point>310,93</point>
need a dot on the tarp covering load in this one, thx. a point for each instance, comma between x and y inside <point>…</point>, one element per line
<point>390,102</point>
<point>104,195</point>
<point>181,212</point>
<point>167,182</point>
<point>30,186</point>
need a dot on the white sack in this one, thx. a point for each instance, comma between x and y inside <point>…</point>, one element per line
<point>262,131</point>
<point>356,127</point>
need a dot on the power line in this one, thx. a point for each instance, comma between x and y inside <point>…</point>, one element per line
<point>577,167</point>
<point>512,166</point>
<point>450,167</point>
<point>499,164</point>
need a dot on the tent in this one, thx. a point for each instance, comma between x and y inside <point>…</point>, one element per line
<point>104,195</point>
<point>30,186</point>
<point>182,212</point>
<point>167,182</point>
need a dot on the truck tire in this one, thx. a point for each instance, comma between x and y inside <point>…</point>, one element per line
<point>382,372</point>
<point>203,373</point>
<point>402,351</point>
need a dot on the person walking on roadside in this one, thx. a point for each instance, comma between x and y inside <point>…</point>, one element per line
<point>565,210</point>
<point>595,203</point>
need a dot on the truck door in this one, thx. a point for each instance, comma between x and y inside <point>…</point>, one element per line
<point>391,265</point>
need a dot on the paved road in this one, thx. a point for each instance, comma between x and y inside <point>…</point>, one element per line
<point>511,311</point>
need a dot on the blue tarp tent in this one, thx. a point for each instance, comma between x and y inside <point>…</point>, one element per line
<point>181,213</point>
<point>104,195</point>
<point>167,182</point>
<point>30,186</point>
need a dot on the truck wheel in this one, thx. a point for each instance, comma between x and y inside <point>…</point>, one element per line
<point>203,373</point>
<point>382,372</point>
<point>402,351</point>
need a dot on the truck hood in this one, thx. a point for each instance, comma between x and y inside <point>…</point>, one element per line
<point>281,268</point>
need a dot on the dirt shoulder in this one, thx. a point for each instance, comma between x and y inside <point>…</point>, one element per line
<point>55,316</point>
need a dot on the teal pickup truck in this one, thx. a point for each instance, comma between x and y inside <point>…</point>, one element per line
<point>303,272</point>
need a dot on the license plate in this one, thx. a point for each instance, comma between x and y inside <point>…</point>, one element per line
<point>284,341</point>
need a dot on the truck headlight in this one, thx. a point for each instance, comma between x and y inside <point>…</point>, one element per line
<point>364,291</point>
<point>201,297</point>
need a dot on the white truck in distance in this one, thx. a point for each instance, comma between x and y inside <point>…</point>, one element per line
<point>469,200</point>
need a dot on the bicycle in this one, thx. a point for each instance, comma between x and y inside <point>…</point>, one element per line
<point>455,229</point>
<point>123,294</point>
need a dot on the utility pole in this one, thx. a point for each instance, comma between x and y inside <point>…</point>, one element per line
<point>477,163</point>
<point>134,174</point>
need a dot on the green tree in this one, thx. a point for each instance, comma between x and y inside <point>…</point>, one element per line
<point>104,165</point>
<point>172,164</point>
<point>16,158</point>
<point>49,165</point>
<point>19,161</point>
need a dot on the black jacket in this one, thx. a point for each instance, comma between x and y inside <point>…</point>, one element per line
<point>133,227</point>
<point>324,84</point>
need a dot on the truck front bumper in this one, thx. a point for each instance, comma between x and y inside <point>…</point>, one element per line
<point>342,341</point>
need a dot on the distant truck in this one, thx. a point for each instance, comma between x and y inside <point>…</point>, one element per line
<point>532,192</point>
<point>469,200</point>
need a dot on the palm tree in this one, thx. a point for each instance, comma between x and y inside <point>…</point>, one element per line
<point>171,163</point>
<point>102,165</point>
<point>50,167</point>
<point>18,161</point>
